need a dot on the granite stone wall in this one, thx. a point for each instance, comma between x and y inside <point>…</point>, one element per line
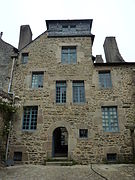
<point>45,56</point>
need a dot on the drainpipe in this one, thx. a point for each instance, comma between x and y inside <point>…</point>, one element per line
<point>12,93</point>
<point>6,156</point>
<point>11,77</point>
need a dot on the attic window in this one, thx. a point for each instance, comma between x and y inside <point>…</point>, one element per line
<point>72,26</point>
<point>65,27</point>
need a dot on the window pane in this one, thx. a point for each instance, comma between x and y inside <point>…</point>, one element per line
<point>37,79</point>
<point>17,156</point>
<point>78,92</point>
<point>68,55</point>
<point>24,58</point>
<point>83,133</point>
<point>30,118</point>
<point>110,119</point>
<point>73,26</point>
<point>105,79</point>
<point>60,92</point>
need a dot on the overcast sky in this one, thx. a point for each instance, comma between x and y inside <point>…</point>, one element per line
<point>110,18</point>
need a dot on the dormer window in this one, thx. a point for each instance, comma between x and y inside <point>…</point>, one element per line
<point>65,27</point>
<point>73,26</point>
<point>68,27</point>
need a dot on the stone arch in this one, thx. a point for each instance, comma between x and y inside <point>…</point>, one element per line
<point>71,138</point>
<point>60,142</point>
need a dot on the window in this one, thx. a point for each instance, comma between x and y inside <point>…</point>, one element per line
<point>68,55</point>
<point>72,26</point>
<point>111,157</point>
<point>110,119</point>
<point>60,91</point>
<point>17,156</point>
<point>24,58</point>
<point>78,92</point>
<point>65,27</point>
<point>30,118</point>
<point>105,79</point>
<point>83,133</point>
<point>37,79</point>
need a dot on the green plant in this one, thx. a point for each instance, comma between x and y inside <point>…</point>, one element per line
<point>7,110</point>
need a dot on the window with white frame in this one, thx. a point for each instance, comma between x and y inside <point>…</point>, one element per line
<point>68,55</point>
<point>105,79</point>
<point>37,79</point>
<point>30,118</point>
<point>110,119</point>
<point>60,92</point>
<point>78,92</point>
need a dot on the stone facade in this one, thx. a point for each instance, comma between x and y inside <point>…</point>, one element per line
<point>7,52</point>
<point>44,55</point>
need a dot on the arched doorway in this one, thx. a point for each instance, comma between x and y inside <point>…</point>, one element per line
<point>60,142</point>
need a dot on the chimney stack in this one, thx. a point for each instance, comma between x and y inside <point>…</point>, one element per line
<point>25,36</point>
<point>111,50</point>
<point>99,59</point>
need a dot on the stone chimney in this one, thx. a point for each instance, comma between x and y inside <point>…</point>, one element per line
<point>111,50</point>
<point>25,36</point>
<point>99,59</point>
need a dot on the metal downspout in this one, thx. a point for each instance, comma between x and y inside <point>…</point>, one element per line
<point>11,77</point>
<point>9,92</point>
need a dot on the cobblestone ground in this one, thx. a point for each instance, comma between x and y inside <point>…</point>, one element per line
<point>77,172</point>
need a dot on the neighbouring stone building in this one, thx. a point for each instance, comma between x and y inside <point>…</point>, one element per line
<point>8,53</point>
<point>71,104</point>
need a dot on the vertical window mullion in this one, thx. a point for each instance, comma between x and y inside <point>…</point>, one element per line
<point>69,58</point>
<point>109,120</point>
<point>104,80</point>
<point>30,118</point>
<point>78,90</point>
<point>60,94</point>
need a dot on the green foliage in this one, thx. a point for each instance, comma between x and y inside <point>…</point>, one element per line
<point>7,110</point>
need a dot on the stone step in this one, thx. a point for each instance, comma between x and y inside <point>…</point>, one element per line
<point>59,159</point>
<point>59,163</point>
